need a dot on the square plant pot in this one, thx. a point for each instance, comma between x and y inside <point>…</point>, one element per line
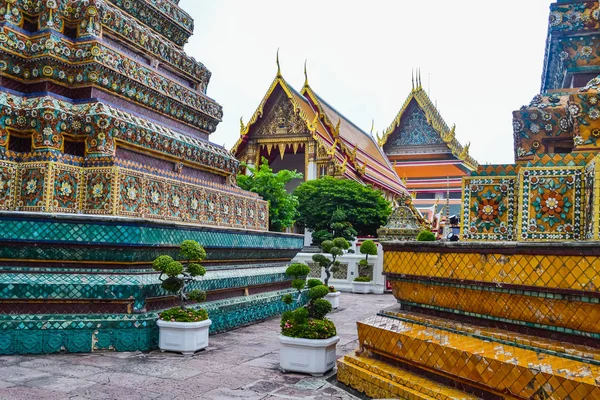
<point>334,299</point>
<point>183,337</point>
<point>308,356</point>
<point>361,287</point>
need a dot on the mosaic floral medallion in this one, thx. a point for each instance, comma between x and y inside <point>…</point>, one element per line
<point>32,188</point>
<point>66,189</point>
<point>552,204</point>
<point>489,208</point>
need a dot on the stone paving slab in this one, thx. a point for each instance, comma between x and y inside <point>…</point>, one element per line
<point>240,364</point>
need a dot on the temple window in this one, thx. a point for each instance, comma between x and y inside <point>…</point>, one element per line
<point>30,24</point>
<point>19,144</point>
<point>581,79</point>
<point>559,146</point>
<point>70,32</point>
<point>74,147</point>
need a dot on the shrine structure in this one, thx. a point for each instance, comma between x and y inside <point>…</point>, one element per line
<point>513,310</point>
<point>301,131</point>
<point>106,163</point>
<point>427,156</point>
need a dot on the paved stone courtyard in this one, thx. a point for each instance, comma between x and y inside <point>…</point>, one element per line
<point>241,364</point>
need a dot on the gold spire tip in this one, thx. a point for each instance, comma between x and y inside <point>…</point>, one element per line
<point>278,66</point>
<point>305,74</point>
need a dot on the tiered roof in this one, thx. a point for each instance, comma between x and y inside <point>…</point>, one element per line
<point>354,152</point>
<point>437,131</point>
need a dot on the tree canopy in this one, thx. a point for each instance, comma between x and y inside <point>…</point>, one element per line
<point>364,207</point>
<point>271,187</point>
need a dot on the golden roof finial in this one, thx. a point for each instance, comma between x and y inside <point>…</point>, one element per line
<point>277,60</point>
<point>412,77</point>
<point>305,74</point>
<point>418,78</point>
<point>241,125</point>
<point>372,126</point>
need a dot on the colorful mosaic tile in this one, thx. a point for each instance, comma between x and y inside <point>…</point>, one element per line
<point>489,208</point>
<point>540,270</point>
<point>499,365</point>
<point>51,186</point>
<point>35,334</point>
<point>378,379</point>
<point>570,313</point>
<point>552,204</point>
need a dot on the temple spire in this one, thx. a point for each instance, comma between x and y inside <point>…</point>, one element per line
<point>278,66</point>
<point>305,75</point>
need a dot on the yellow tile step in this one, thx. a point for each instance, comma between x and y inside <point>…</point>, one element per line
<point>463,353</point>
<point>575,350</point>
<point>378,379</point>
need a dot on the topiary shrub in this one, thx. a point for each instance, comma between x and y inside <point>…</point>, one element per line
<point>331,248</point>
<point>362,279</point>
<point>313,282</point>
<point>307,322</point>
<point>426,236</point>
<point>176,275</point>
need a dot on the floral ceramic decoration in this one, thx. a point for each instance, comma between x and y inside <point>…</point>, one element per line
<point>66,190</point>
<point>552,204</point>
<point>32,184</point>
<point>98,190</point>
<point>489,208</point>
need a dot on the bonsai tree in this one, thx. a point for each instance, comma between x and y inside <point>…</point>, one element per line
<point>426,236</point>
<point>175,277</point>
<point>338,227</point>
<point>307,322</point>
<point>368,248</point>
<point>333,248</point>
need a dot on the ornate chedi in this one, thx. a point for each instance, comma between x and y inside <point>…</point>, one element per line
<point>300,130</point>
<point>427,155</point>
<point>513,310</point>
<point>105,164</point>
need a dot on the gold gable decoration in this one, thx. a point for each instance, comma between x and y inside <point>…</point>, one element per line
<point>448,135</point>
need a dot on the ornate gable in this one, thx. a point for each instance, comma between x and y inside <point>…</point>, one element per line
<point>281,119</point>
<point>414,129</point>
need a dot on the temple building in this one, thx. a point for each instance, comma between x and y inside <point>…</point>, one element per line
<point>105,164</point>
<point>513,311</point>
<point>301,131</point>
<point>427,156</point>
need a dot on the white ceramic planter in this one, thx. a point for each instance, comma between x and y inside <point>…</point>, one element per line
<point>361,287</point>
<point>334,299</point>
<point>183,337</point>
<point>309,356</point>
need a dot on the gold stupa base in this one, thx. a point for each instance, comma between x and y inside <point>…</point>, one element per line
<point>409,355</point>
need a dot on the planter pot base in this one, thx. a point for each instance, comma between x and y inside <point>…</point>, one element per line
<point>334,299</point>
<point>183,337</point>
<point>308,356</point>
<point>361,287</point>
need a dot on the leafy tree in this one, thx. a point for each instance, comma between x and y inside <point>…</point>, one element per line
<point>365,208</point>
<point>271,187</point>
<point>333,248</point>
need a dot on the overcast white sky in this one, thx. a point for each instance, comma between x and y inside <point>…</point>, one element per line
<point>480,59</point>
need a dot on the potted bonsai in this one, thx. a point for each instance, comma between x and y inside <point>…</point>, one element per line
<point>183,329</point>
<point>362,283</point>
<point>327,260</point>
<point>308,339</point>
